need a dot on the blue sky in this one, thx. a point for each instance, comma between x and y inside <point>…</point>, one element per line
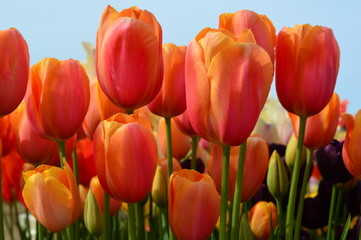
<point>57,28</point>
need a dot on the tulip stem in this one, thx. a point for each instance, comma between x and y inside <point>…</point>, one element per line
<point>332,212</point>
<point>40,231</point>
<point>224,192</point>
<point>281,220</point>
<point>75,165</point>
<point>339,204</point>
<point>238,192</point>
<point>131,222</point>
<point>64,235</point>
<point>140,220</point>
<point>169,146</point>
<point>62,152</point>
<point>107,229</point>
<point>290,221</point>
<point>302,195</point>
<point>194,153</point>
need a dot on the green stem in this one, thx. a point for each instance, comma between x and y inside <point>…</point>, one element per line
<point>64,235</point>
<point>40,231</point>
<point>290,221</point>
<point>131,222</point>
<point>224,192</point>
<point>238,192</point>
<point>339,204</point>
<point>21,231</point>
<point>107,229</point>
<point>280,216</point>
<point>229,225</point>
<point>332,212</point>
<point>62,152</point>
<point>169,146</point>
<point>194,153</point>
<point>75,165</point>
<point>140,220</point>
<point>302,194</point>
<point>163,222</point>
<point>27,224</point>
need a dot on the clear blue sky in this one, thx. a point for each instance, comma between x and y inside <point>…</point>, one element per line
<point>57,28</point>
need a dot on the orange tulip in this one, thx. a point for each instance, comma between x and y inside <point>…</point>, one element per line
<point>261,26</point>
<point>255,168</point>
<point>320,128</point>
<point>52,196</point>
<point>7,135</point>
<point>58,98</point>
<point>129,57</point>
<point>125,152</point>
<point>351,151</point>
<point>260,218</point>
<point>171,99</point>
<point>219,86</point>
<point>193,205</point>
<point>14,69</point>
<point>98,192</point>
<point>100,108</point>
<point>307,59</point>
<point>31,147</point>
<point>180,143</point>
<point>184,125</point>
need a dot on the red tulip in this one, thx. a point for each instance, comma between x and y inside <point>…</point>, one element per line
<point>307,59</point>
<point>11,170</point>
<point>58,98</point>
<point>125,152</point>
<point>193,205</point>
<point>261,26</point>
<point>351,152</point>
<point>255,168</point>
<point>129,57</point>
<point>171,99</point>
<point>14,70</point>
<point>220,88</point>
<point>7,135</point>
<point>184,125</point>
<point>320,128</point>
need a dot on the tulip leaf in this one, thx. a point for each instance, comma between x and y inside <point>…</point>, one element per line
<point>346,228</point>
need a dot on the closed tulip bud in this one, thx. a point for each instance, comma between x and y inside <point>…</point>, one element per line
<point>291,152</point>
<point>351,151</point>
<point>245,230</point>
<point>260,218</point>
<point>277,177</point>
<point>261,26</point>
<point>181,143</point>
<point>255,168</point>
<point>54,87</point>
<point>171,99</point>
<point>321,127</point>
<point>306,56</point>
<point>14,70</point>
<point>52,196</point>
<point>93,217</point>
<point>159,188</point>
<point>125,152</point>
<point>194,205</point>
<point>130,74</point>
<point>219,88</point>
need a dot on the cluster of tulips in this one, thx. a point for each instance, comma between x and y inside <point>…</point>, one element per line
<point>146,140</point>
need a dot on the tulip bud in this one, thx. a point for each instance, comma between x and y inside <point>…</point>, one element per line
<point>93,218</point>
<point>291,150</point>
<point>260,219</point>
<point>159,188</point>
<point>277,178</point>
<point>245,231</point>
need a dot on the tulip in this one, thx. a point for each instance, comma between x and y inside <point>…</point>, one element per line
<point>100,108</point>
<point>129,57</point>
<point>14,70</point>
<point>320,128</point>
<point>93,218</point>
<point>255,168</point>
<point>351,151</point>
<point>98,192</point>
<point>308,59</point>
<point>52,196</point>
<point>125,152</point>
<point>159,188</point>
<point>31,147</point>
<point>194,205</point>
<point>261,26</point>
<point>260,219</point>
<point>7,135</point>
<point>171,99</point>
<point>180,143</point>
<point>277,177</point>
<point>291,152</point>
<point>11,170</point>
<point>219,88</point>
<point>58,98</point>
<point>184,125</point>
